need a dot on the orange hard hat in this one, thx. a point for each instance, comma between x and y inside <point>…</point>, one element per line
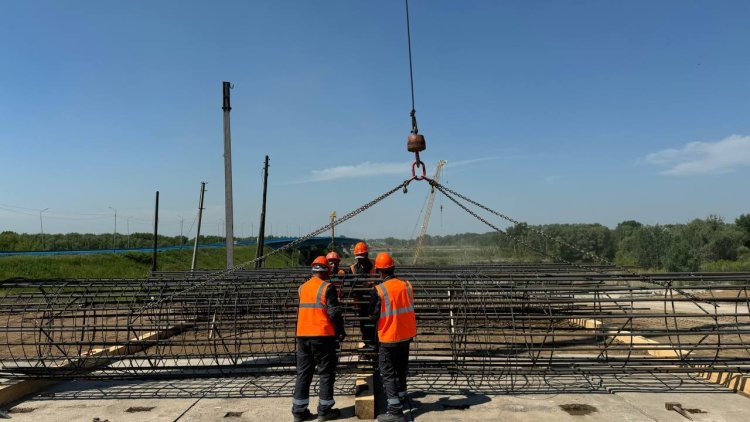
<point>384,261</point>
<point>333,256</point>
<point>360,248</point>
<point>320,263</point>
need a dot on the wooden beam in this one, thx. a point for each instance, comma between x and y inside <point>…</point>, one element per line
<point>364,397</point>
<point>640,343</point>
<point>737,382</point>
<point>91,360</point>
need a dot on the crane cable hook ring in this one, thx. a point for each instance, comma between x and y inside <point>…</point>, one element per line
<point>416,164</point>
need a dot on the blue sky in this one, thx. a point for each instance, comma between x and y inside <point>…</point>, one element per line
<point>584,111</point>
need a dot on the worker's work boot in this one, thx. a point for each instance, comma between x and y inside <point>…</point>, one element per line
<point>302,417</point>
<point>387,417</point>
<point>329,415</point>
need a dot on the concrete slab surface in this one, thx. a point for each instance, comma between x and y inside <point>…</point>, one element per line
<point>224,400</point>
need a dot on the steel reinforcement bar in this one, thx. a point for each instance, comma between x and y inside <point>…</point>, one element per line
<point>478,322</point>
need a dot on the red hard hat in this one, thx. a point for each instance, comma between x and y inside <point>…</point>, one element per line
<point>360,248</point>
<point>384,261</point>
<point>333,256</point>
<point>320,263</point>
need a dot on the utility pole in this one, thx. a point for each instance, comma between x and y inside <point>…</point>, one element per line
<point>127,223</point>
<point>333,241</point>
<point>156,232</point>
<point>198,231</point>
<point>228,206</point>
<point>441,216</point>
<point>262,227</point>
<point>182,220</point>
<point>41,226</point>
<point>115,230</point>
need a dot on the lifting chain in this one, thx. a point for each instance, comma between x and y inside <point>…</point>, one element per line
<point>220,274</point>
<point>449,194</point>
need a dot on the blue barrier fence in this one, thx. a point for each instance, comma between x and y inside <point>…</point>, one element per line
<point>272,243</point>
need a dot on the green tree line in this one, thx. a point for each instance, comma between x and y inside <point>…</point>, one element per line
<point>709,243</point>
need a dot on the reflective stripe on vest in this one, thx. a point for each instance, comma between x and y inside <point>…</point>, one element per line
<point>312,316</point>
<point>397,319</point>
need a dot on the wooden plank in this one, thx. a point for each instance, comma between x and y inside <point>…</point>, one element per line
<point>14,392</point>
<point>364,390</point>
<point>737,382</point>
<point>639,343</point>
<point>91,360</point>
<point>364,397</point>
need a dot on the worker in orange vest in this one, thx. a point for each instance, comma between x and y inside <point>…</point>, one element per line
<point>392,306</point>
<point>364,271</point>
<point>320,326</point>
<point>362,265</point>
<point>337,274</point>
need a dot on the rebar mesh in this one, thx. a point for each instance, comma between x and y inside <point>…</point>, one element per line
<point>481,326</point>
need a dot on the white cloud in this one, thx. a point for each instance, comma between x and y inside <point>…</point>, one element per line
<point>358,170</point>
<point>723,156</point>
<point>368,169</point>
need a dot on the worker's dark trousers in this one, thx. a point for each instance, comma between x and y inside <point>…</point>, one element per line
<point>394,363</point>
<point>315,354</point>
<point>366,326</point>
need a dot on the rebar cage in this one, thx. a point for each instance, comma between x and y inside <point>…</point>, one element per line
<point>478,326</point>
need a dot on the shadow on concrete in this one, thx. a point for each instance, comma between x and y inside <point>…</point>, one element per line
<point>347,412</point>
<point>417,408</point>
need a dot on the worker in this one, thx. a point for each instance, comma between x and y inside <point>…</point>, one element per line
<point>364,270</point>
<point>392,307</point>
<point>363,265</point>
<point>334,260</point>
<point>320,326</point>
<point>337,274</point>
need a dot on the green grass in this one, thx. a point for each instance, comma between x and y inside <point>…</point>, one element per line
<point>128,265</point>
<point>727,266</point>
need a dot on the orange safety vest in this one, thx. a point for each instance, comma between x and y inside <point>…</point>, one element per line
<point>312,317</point>
<point>397,319</point>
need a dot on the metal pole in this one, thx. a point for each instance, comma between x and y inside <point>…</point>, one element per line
<point>228,206</point>
<point>41,226</point>
<point>127,223</point>
<point>156,232</point>
<point>333,237</point>
<point>182,220</point>
<point>262,227</point>
<point>115,230</point>
<point>198,231</point>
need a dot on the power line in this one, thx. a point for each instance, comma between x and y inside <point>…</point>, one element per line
<point>55,211</point>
